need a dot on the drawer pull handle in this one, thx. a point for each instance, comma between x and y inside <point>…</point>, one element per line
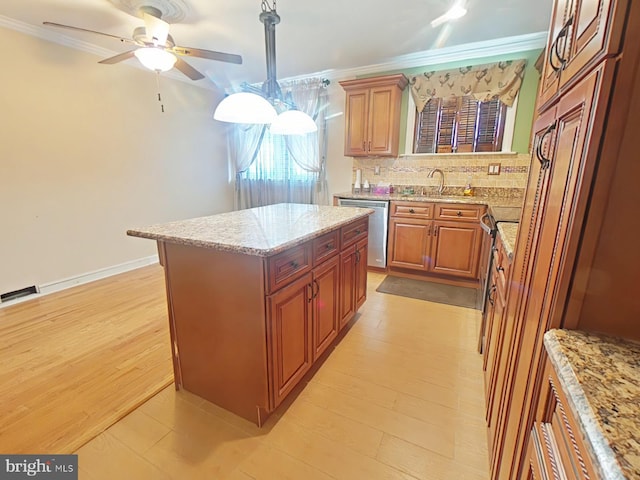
<point>329,246</point>
<point>459,213</point>
<point>294,264</point>
<point>358,232</point>
<point>411,210</point>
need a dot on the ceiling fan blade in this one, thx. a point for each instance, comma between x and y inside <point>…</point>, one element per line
<point>208,54</point>
<point>157,29</point>
<point>69,27</point>
<point>118,58</point>
<point>188,70</point>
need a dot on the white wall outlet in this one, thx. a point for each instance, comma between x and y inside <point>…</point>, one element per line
<point>376,170</point>
<point>494,169</point>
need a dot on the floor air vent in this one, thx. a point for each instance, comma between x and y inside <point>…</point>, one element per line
<point>23,292</point>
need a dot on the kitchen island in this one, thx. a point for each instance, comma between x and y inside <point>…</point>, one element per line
<point>257,296</point>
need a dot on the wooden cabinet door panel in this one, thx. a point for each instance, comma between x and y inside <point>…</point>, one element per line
<point>362,251</point>
<point>347,285</point>
<point>326,281</point>
<point>356,117</point>
<point>290,335</point>
<point>556,44</point>
<point>456,247</point>
<point>409,242</point>
<point>380,120</point>
<point>596,32</point>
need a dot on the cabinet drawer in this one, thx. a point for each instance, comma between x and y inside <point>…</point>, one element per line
<point>451,211</point>
<point>412,209</point>
<point>288,265</point>
<point>355,231</point>
<point>325,246</point>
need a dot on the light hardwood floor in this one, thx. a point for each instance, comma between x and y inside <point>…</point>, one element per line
<point>401,397</point>
<point>74,362</point>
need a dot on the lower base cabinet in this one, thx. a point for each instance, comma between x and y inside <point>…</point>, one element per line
<point>435,239</point>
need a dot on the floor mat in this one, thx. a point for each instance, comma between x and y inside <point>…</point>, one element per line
<point>431,291</point>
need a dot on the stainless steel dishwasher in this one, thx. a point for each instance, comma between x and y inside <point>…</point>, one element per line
<point>378,225</point>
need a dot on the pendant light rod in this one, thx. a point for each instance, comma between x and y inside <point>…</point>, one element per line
<point>270,19</point>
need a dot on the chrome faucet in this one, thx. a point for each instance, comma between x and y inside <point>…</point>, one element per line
<point>430,175</point>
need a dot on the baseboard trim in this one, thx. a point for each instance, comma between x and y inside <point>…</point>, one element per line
<point>63,284</point>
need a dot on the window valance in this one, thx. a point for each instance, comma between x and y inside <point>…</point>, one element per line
<point>484,82</point>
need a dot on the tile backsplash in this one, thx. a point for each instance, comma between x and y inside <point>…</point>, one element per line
<point>458,170</point>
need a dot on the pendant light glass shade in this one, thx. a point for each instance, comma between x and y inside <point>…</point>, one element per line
<point>245,107</point>
<point>156,59</point>
<point>293,122</point>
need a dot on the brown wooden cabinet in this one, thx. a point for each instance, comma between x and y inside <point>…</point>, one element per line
<point>575,262</point>
<point>497,338</point>
<point>353,280</point>
<point>325,304</point>
<point>455,248</point>
<point>540,263</point>
<point>582,33</point>
<point>449,247</point>
<point>372,116</point>
<point>245,329</point>
<point>290,333</point>
<point>303,321</point>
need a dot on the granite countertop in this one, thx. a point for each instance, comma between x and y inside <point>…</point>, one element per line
<point>600,376</point>
<point>261,231</point>
<point>508,232</point>
<point>497,200</point>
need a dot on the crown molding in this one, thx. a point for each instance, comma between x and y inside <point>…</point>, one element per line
<point>469,51</point>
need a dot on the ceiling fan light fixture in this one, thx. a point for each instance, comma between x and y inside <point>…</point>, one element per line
<point>156,59</point>
<point>293,122</point>
<point>245,107</point>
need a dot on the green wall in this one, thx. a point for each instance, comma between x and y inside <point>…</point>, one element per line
<point>526,99</point>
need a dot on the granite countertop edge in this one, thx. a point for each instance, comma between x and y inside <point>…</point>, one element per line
<point>235,248</point>
<point>606,462</point>
<point>509,234</point>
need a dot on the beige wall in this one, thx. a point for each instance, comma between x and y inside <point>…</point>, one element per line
<point>85,154</point>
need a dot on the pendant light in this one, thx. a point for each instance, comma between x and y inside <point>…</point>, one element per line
<point>266,106</point>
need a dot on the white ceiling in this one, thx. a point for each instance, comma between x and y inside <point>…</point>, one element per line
<point>312,36</point>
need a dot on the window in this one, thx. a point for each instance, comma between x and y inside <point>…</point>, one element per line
<point>274,163</point>
<point>458,125</point>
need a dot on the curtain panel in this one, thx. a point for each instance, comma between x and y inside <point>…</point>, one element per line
<point>261,162</point>
<point>310,151</point>
<point>483,82</point>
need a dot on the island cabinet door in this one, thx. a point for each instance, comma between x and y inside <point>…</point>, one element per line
<point>362,253</point>
<point>347,285</point>
<point>290,336</point>
<point>326,294</point>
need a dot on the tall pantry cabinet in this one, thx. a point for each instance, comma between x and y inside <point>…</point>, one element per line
<point>575,260</point>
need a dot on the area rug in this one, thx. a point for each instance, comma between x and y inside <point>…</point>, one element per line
<point>431,292</point>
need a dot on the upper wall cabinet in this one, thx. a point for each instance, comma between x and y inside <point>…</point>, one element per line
<point>582,33</point>
<point>372,116</point>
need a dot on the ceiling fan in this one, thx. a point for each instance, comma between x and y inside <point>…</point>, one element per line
<point>156,49</point>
